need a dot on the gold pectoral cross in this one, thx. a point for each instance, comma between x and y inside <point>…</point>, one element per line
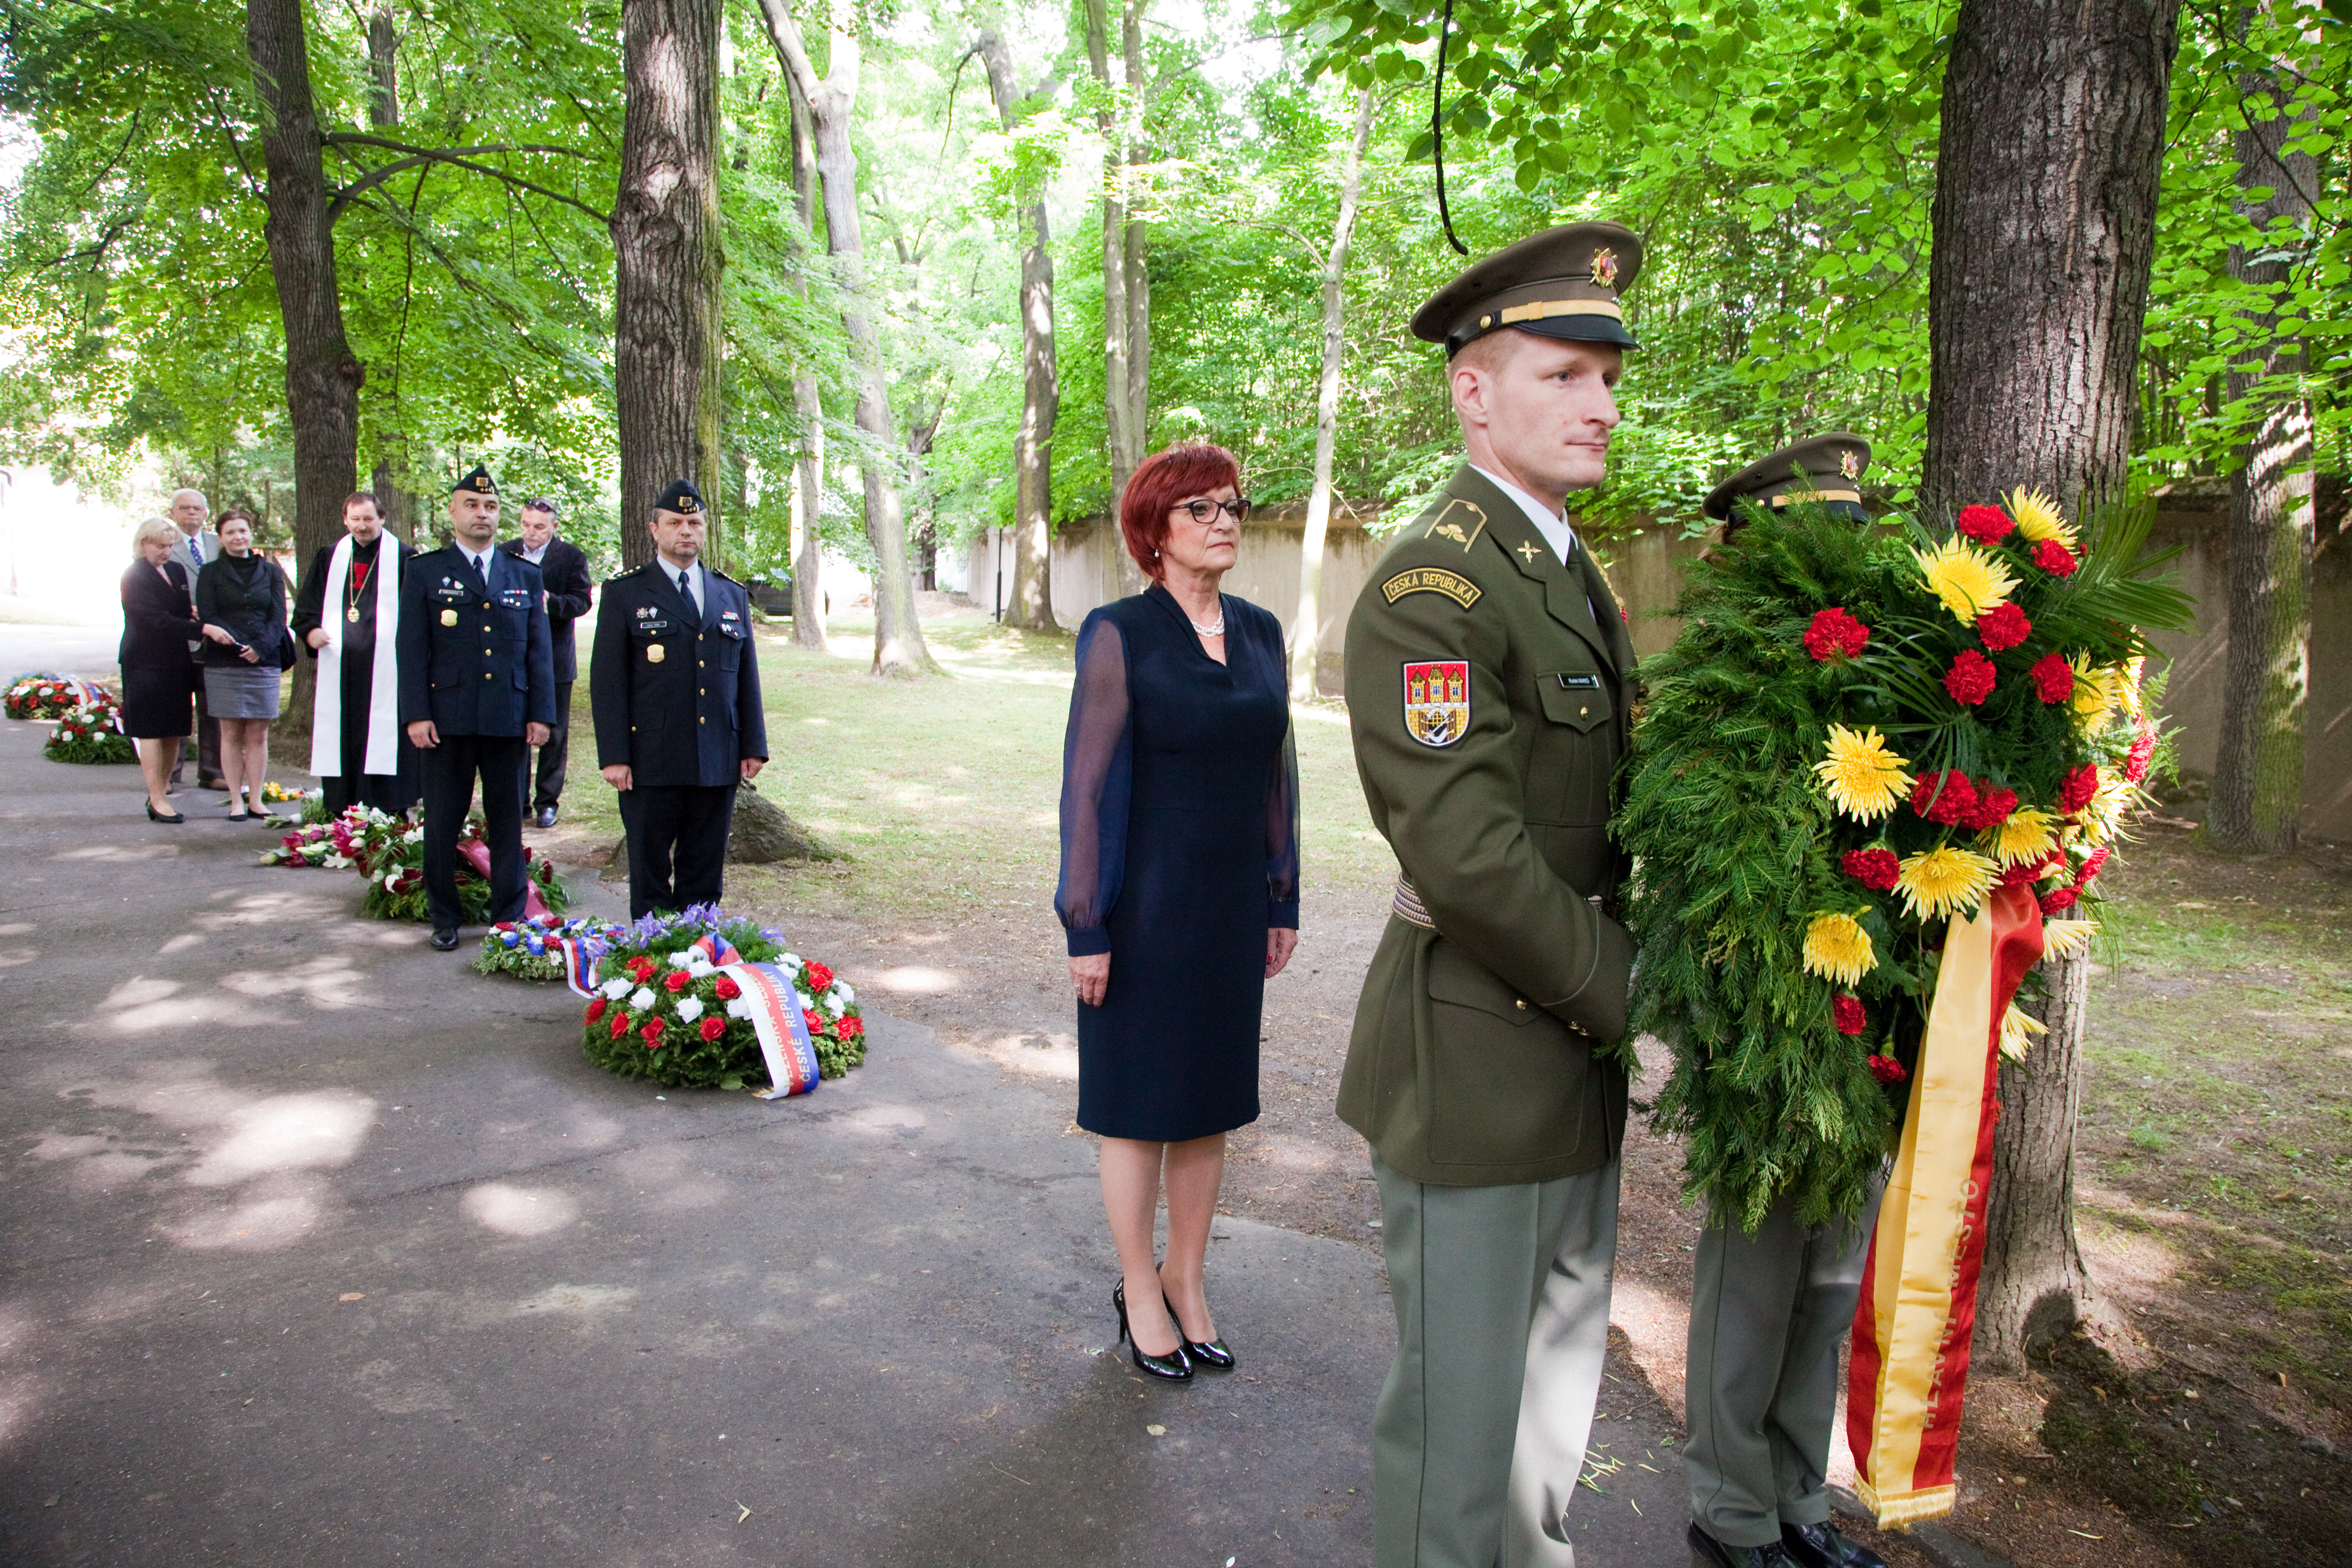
<point>1528,553</point>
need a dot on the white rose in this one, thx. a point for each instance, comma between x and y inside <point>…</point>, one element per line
<point>689,1009</point>
<point>615,990</point>
<point>845,994</point>
<point>791,961</point>
<point>740,1007</point>
<point>679,960</point>
<point>641,1001</point>
<point>832,1001</point>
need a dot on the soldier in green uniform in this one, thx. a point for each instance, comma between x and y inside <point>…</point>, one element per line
<point>1489,678</point>
<point>1769,1310</point>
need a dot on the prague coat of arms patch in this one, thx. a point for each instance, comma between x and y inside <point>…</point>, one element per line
<point>1437,701</point>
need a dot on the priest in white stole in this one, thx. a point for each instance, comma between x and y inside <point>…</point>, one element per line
<point>347,615</point>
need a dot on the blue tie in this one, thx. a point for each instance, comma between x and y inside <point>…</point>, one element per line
<point>195,553</point>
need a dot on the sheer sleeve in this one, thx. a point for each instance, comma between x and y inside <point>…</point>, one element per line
<point>1098,770</point>
<point>1282,836</point>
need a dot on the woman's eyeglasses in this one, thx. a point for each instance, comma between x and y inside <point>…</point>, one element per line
<point>1205,511</point>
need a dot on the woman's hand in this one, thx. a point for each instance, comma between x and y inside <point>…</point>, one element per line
<point>1281,942</point>
<point>221,634</point>
<point>250,656</point>
<point>1090,974</point>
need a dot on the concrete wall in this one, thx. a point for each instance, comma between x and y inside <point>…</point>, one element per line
<point>1647,572</point>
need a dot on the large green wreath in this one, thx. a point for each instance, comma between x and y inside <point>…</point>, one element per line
<point>1861,729</point>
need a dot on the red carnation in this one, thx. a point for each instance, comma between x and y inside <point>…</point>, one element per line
<point>1986,525</point>
<point>2092,863</point>
<point>1875,869</point>
<point>620,1025</point>
<point>711,1028</point>
<point>1847,1012</point>
<point>2064,898</point>
<point>2004,627</point>
<point>677,981</point>
<point>820,978</point>
<point>728,989</point>
<point>1887,1069</point>
<point>816,1024</point>
<point>2052,677</point>
<point>595,1010</point>
<point>653,1034</point>
<point>641,969</point>
<point>850,1028</point>
<point>1971,677</point>
<point>1834,632</point>
<point>2056,558</point>
<point>2142,752</point>
<point>1951,794</point>
<point>2074,790</point>
<point>1991,810</point>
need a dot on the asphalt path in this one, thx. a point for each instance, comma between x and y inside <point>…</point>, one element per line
<point>323,1249</point>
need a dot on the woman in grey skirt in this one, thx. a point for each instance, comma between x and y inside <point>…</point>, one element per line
<point>241,599</point>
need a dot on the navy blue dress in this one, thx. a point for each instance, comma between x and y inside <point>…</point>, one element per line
<point>1179,848</point>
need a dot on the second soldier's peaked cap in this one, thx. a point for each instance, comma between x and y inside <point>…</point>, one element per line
<point>1825,470</point>
<point>1561,283</point>
<point>680,498</point>
<point>478,483</point>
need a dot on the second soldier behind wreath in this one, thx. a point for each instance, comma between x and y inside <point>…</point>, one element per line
<point>674,680</point>
<point>476,692</point>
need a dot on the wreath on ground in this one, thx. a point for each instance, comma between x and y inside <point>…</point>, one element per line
<point>41,694</point>
<point>1860,732</point>
<point>92,732</point>
<point>529,951</point>
<point>388,852</point>
<point>663,1011</point>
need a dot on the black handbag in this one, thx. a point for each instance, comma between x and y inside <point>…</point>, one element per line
<point>287,651</point>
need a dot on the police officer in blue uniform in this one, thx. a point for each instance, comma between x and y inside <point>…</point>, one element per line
<point>675,684</point>
<point>476,692</point>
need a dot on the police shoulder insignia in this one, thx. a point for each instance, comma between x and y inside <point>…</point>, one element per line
<point>1432,579</point>
<point>1448,527</point>
<point>1437,701</point>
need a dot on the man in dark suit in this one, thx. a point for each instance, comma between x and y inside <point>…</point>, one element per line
<point>563,566</point>
<point>476,692</point>
<point>674,681</point>
<point>196,545</point>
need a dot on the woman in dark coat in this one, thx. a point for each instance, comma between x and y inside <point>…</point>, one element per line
<point>158,681</point>
<point>243,590</point>
<point>1179,885</point>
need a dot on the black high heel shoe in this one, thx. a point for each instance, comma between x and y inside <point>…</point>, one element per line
<point>1173,1366</point>
<point>1210,1353</point>
<point>155,816</point>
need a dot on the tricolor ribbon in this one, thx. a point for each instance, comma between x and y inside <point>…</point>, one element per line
<point>1914,1322</point>
<point>719,950</point>
<point>776,1016</point>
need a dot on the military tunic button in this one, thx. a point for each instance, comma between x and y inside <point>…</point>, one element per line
<point>1521,1004</point>
<point>1584,713</point>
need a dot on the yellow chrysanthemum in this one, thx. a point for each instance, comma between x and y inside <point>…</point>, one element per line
<point>2027,835</point>
<point>2104,814</point>
<point>2096,693</point>
<point>1966,578</point>
<point>2127,679</point>
<point>2016,1031</point>
<point>1838,949</point>
<point>1944,881</point>
<point>1860,775</point>
<point>2037,516</point>
<point>2067,938</point>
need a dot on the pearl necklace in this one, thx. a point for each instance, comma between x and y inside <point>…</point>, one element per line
<point>1214,629</point>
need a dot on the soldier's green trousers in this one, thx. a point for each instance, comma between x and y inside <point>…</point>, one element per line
<point>1502,1307</point>
<point>1768,1314</point>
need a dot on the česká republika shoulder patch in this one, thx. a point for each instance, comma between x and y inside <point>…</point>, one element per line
<point>1432,579</point>
<point>1437,701</point>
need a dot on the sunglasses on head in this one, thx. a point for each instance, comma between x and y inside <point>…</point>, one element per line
<point>1205,510</point>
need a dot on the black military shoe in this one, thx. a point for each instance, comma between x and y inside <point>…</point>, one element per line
<point>1706,1552</point>
<point>1820,1546</point>
<point>545,817</point>
<point>444,941</point>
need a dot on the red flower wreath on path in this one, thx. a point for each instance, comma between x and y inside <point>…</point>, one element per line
<point>850,1029</point>
<point>2052,677</point>
<point>1875,869</point>
<point>2074,790</point>
<point>1986,525</point>
<point>816,1024</point>
<point>620,1025</point>
<point>652,1033</point>
<point>712,1028</point>
<point>1835,634</point>
<point>2056,558</point>
<point>2004,627</point>
<point>641,969</point>
<point>595,1010</point>
<point>820,978</point>
<point>1848,1014</point>
<point>1951,794</point>
<point>1971,678</point>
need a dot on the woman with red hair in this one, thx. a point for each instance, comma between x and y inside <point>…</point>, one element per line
<point>1178,886</point>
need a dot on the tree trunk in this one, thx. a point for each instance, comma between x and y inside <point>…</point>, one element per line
<point>384,68</point>
<point>665,252</point>
<point>2258,776</point>
<point>1135,250</point>
<point>1305,627</point>
<point>2037,286</point>
<point>322,377</point>
<point>808,472</point>
<point>1032,604</point>
<point>898,647</point>
<point>1126,442</point>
